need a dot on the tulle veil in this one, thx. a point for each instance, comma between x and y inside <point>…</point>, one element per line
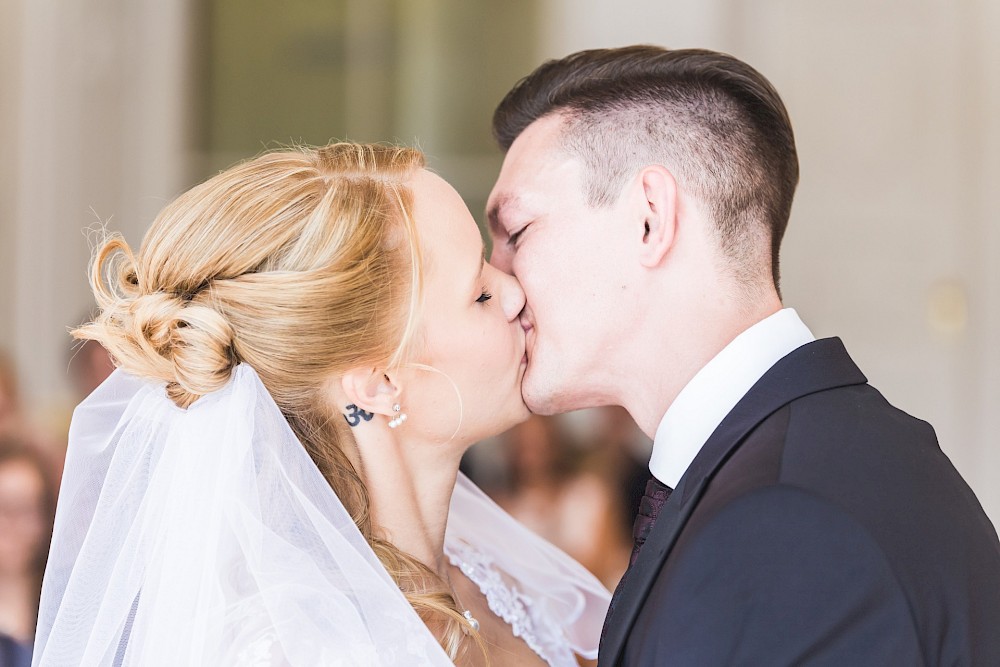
<point>207,536</point>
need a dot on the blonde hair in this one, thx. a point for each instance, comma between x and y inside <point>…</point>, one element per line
<point>302,263</point>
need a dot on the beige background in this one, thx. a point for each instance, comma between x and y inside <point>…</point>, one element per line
<point>108,109</point>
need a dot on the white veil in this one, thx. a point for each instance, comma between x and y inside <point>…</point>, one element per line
<point>207,536</point>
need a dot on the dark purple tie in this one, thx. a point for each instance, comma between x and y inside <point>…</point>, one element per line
<point>652,502</point>
<point>649,508</point>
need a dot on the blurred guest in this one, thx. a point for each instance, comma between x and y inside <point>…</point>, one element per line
<point>89,366</point>
<point>27,507</point>
<point>551,488</point>
<point>13,653</point>
<point>619,450</point>
<point>10,404</point>
<point>14,419</point>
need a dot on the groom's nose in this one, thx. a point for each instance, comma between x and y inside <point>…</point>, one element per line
<point>512,299</point>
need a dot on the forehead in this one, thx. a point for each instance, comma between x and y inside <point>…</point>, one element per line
<point>537,169</point>
<point>443,221</point>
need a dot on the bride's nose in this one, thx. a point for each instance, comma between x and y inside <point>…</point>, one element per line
<point>511,296</point>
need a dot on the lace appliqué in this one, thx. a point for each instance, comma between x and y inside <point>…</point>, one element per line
<point>527,620</point>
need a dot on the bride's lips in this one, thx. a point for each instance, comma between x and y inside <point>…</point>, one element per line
<point>528,327</point>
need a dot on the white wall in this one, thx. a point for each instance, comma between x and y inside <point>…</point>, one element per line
<point>986,286</point>
<point>893,243</point>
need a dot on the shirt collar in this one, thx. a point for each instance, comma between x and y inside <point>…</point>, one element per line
<point>716,389</point>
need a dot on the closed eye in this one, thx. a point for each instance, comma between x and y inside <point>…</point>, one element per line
<point>512,239</point>
<point>484,297</point>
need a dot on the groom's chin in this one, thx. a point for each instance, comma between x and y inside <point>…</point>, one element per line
<point>541,399</point>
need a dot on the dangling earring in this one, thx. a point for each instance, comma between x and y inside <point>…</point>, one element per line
<point>399,417</point>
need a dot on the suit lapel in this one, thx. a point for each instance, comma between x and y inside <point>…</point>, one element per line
<point>817,366</point>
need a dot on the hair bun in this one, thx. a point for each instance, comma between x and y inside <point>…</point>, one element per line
<point>183,341</point>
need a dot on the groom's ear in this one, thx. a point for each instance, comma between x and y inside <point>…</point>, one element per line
<point>657,212</point>
<point>371,389</point>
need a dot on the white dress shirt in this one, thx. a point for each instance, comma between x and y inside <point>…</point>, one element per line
<point>716,389</point>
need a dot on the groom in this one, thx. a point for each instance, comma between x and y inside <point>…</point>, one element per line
<point>794,516</point>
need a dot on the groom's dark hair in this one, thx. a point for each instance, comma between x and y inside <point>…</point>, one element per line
<point>714,121</point>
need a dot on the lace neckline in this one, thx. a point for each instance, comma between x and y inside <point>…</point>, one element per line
<point>543,635</point>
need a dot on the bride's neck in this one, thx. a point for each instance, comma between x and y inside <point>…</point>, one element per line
<point>410,486</point>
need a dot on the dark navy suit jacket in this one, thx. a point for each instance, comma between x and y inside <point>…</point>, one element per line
<point>13,654</point>
<point>817,526</point>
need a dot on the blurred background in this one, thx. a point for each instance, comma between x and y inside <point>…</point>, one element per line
<point>108,109</point>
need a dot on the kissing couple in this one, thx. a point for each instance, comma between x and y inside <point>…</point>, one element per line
<point>308,342</point>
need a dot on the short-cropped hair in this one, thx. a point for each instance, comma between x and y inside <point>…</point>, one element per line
<point>714,121</point>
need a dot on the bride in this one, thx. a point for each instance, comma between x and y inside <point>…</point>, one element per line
<point>307,344</point>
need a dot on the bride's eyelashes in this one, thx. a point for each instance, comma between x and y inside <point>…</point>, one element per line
<point>484,297</point>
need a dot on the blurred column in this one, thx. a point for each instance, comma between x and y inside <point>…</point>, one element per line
<point>10,81</point>
<point>100,134</point>
<point>279,73</point>
<point>369,48</point>
<point>455,61</point>
<point>573,25</point>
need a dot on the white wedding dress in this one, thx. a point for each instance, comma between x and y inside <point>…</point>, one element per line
<point>207,536</point>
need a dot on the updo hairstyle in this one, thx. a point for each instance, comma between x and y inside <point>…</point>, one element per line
<point>302,263</point>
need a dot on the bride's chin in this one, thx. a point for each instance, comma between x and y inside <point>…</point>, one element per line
<point>504,415</point>
<point>518,413</point>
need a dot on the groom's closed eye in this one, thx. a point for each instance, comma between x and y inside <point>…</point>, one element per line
<point>512,239</point>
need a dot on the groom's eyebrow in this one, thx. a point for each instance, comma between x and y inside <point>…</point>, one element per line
<point>495,212</point>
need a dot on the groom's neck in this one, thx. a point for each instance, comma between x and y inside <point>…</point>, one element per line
<point>679,341</point>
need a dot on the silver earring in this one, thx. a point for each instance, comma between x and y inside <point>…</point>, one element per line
<point>399,417</point>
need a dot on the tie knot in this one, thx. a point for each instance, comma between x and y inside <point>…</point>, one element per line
<point>654,498</point>
<point>652,502</point>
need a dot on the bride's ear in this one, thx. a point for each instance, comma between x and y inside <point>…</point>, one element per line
<point>371,389</point>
